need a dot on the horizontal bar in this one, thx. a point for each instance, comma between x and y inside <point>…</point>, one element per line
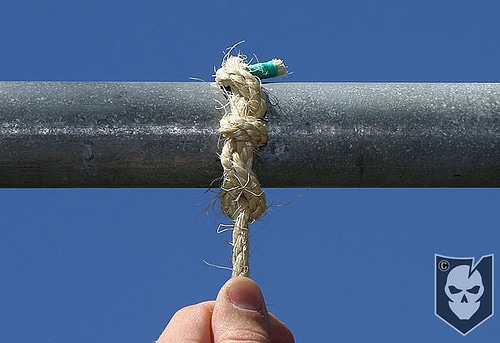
<point>127,134</point>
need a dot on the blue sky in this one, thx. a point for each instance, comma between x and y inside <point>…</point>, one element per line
<point>347,265</point>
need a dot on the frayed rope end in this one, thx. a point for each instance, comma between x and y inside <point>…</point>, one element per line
<point>265,70</point>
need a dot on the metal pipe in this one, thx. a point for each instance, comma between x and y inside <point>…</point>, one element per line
<point>124,134</point>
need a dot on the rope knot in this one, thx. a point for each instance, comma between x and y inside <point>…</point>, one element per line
<point>241,197</point>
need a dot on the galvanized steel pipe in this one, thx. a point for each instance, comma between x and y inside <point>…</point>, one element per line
<point>127,134</point>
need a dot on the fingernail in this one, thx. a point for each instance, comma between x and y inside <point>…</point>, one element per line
<point>245,294</point>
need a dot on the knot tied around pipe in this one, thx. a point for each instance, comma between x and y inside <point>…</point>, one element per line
<point>241,196</point>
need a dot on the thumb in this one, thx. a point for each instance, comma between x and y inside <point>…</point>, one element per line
<point>240,314</point>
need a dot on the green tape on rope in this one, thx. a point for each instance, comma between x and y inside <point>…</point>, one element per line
<point>264,70</point>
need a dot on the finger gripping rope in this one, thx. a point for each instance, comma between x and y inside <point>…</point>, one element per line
<point>241,197</point>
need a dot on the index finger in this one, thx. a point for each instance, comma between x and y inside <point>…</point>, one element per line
<point>191,324</point>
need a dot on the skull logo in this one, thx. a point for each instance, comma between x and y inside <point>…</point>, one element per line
<point>464,291</point>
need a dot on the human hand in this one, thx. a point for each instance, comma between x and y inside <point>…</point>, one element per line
<point>237,315</point>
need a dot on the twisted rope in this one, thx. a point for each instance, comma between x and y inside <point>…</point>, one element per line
<point>241,197</point>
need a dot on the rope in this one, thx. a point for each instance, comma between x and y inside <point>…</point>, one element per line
<point>241,197</point>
